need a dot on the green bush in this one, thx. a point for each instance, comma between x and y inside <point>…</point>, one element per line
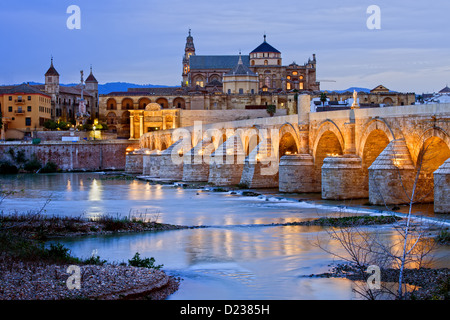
<point>49,167</point>
<point>94,261</point>
<point>271,109</point>
<point>32,165</point>
<point>50,124</point>
<point>8,168</point>
<point>136,261</point>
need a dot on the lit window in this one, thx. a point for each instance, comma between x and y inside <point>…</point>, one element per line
<point>294,73</point>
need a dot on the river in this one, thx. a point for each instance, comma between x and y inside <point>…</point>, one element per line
<point>235,258</point>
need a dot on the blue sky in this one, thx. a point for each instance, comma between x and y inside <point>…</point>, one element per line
<point>142,41</point>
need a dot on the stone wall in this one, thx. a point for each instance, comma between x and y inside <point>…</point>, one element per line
<point>82,135</point>
<point>187,117</point>
<point>442,188</point>
<point>74,156</point>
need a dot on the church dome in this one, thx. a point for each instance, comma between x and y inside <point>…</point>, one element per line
<point>265,47</point>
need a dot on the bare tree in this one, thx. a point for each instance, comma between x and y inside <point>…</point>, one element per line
<point>410,246</point>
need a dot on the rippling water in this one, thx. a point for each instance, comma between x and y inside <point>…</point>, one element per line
<point>235,258</point>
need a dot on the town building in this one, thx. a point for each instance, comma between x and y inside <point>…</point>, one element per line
<point>24,109</point>
<point>66,99</point>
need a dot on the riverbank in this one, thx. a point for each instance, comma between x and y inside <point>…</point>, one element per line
<point>424,283</point>
<point>30,270</point>
<point>40,280</point>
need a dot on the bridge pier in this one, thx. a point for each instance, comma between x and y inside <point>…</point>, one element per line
<point>297,174</point>
<point>391,175</point>
<point>166,164</point>
<point>196,162</point>
<point>261,167</point>
<point>134,161</point>
<point>227,163</point>
<point>151,163</point>
<point>442,188</point>
<point>342,178</point>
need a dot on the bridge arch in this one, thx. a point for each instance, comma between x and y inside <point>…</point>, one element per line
<point>426,141</point>
<point>432,150</point>
<point>289,142</point>
<point>325,128</point>
<point>250,139</point>
<point>369,127</point>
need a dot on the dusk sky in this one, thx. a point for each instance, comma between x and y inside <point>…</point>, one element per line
<point>142,41</point>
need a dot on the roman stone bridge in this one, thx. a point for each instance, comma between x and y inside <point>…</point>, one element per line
<point>383,154</point>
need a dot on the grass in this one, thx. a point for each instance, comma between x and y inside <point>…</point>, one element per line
<point>41,227</point>
<point>443,237</point>
<point>349,221</point>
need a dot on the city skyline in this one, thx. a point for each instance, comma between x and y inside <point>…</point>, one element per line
<point>142,42</point>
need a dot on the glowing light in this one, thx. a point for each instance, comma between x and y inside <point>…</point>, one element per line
<point>332,155</point>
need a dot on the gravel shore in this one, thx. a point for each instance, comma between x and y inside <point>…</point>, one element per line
<point>21,280</point>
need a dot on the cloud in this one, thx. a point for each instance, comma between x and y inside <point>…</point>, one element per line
<point>143,41</point>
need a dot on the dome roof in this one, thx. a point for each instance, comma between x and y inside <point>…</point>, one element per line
<point>265,47</point>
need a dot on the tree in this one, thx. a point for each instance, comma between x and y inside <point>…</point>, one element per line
<point>271,109</point>
<point>410,246</point>
<point>323,98</point>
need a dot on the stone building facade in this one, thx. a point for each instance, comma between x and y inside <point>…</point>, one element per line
<point>230,82</point>
<point>65,99</point>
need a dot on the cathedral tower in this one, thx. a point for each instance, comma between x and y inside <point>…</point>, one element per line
<point>189,50</point>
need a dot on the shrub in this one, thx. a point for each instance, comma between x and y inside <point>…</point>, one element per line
<point>49,167</point>
<point>51,125</point>
<point>136,261</point>
<point>271,109</point>
<point>94,261</point>
<point>8,168</point>
<point>32,165</point>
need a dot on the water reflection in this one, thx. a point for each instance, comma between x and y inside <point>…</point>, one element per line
<point>233,259</point>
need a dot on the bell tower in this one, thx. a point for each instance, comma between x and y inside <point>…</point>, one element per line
<point>189,50</point>
<point>52,80</point>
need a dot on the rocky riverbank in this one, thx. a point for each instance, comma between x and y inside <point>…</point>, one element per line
<point>423,283</point>
<point>29,270</point>
<point>40,280</point>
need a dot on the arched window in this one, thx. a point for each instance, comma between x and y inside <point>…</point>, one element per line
<point>267,82</point>
<point>266,62</point>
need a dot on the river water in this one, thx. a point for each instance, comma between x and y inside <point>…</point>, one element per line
<point>236,257</point>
